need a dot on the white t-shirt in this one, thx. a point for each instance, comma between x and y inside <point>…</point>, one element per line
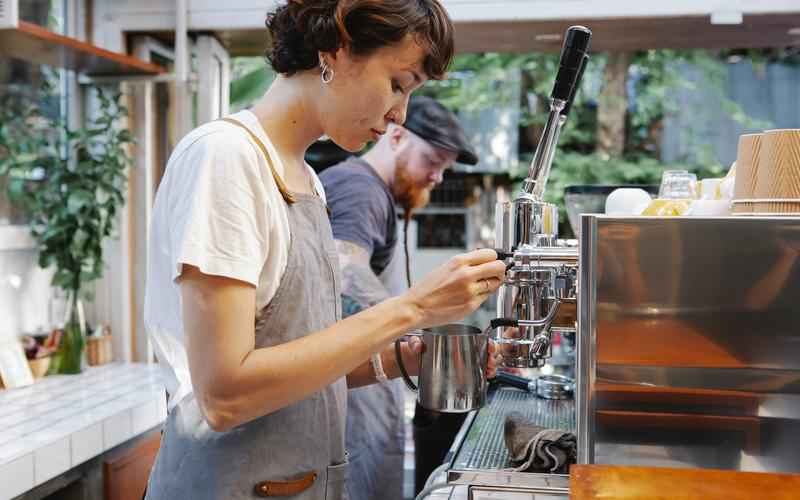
<point>219,209</point>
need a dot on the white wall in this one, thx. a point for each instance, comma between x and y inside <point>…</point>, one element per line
<point>24,288</point>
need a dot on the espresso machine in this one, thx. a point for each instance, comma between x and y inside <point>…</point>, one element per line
<point>537,300</point>
<point>685,332</point>
<point>538,296</point>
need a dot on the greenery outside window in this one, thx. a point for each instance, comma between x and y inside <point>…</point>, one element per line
<point>22,82</point>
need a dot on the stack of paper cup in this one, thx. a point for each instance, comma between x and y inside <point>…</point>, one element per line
<point>748,157</point>
<point>779,172</point>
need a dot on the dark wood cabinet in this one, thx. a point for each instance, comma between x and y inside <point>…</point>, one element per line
<point>125,473</point>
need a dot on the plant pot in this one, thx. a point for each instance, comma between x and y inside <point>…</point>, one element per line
<point>69,357</point>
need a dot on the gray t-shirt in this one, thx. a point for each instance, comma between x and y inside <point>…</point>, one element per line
<point>362,209</point>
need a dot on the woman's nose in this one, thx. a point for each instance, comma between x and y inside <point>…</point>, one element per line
<point>398,113</point>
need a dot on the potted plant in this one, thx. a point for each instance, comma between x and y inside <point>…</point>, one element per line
<point>71,182</point>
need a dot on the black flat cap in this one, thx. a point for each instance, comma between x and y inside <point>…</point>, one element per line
<point>439,126</point>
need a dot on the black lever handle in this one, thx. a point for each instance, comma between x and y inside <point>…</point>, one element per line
<point>508,322</point>
<point>576,44</point>
<point>503,255</point>
<point>578,78</point>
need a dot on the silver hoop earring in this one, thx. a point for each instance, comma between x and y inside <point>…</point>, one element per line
<point>327,73</point>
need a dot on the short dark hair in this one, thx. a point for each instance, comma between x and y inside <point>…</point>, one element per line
<point>300,29</point>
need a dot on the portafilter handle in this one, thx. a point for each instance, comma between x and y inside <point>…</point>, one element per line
<point>544,386</point>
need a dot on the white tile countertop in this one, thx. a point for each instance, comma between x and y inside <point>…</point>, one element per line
<point>62,421</point>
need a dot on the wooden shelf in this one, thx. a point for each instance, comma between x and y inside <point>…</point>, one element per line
<point>35,44</point>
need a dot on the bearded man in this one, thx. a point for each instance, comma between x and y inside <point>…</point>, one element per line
<point>402,168</point>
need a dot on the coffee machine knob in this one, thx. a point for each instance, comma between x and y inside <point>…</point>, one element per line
<point>541,346</point>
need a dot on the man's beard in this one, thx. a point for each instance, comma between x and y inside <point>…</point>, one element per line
<point>409,195</point>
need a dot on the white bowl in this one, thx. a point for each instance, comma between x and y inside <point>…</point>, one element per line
<point>627,201</point>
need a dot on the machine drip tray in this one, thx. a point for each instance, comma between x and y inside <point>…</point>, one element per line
<point>480,457</point>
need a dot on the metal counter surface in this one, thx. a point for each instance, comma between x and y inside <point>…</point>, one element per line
<point>479,455</point>
<point>689,342</point>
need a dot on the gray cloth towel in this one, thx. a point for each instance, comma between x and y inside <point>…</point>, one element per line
<point>533,448</point>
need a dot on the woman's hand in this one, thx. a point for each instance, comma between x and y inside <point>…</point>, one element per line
<point>415,349</point>
<point>495,360</point>
<point>456,288</point>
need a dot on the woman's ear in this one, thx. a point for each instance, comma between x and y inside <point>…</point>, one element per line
<point>336,57</point>
<point>325,59</point>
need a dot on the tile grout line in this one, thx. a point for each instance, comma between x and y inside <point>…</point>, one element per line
<point>127,400</point>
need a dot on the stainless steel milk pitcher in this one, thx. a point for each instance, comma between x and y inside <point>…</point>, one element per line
<point>452,371</point>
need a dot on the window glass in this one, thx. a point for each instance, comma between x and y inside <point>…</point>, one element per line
<point>23,84</point>
<point>46,13</point>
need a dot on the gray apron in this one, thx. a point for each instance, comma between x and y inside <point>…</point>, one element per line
<point>375,426</point>
<point>300,444</point>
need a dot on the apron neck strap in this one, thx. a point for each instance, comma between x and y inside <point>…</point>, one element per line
<point>287,196</point>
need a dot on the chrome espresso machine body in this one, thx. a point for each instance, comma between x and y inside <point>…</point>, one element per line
<point>537,298</point>
<point>689,343</point>
<point>686,335</point>
<point>539,293</point>
<point>687,353</point>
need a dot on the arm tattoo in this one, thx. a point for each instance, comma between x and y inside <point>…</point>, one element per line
<point>359,283</point>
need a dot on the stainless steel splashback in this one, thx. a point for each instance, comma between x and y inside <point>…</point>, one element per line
<point>689,342</point>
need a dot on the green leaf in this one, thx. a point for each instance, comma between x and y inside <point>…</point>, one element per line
<point>25,158</point>
<point>72,211</point>
<point>125,136</point>
<point>16,188</point>
<point>63,279</point>
<point>45,260</point>
<point>78,200</point>
<point>93,132</point>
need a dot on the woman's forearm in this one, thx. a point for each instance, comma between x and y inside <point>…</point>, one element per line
<point>268,379</point>
<point>235,382</point>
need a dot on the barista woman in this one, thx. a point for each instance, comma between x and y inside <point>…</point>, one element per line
<point>242,299</point>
